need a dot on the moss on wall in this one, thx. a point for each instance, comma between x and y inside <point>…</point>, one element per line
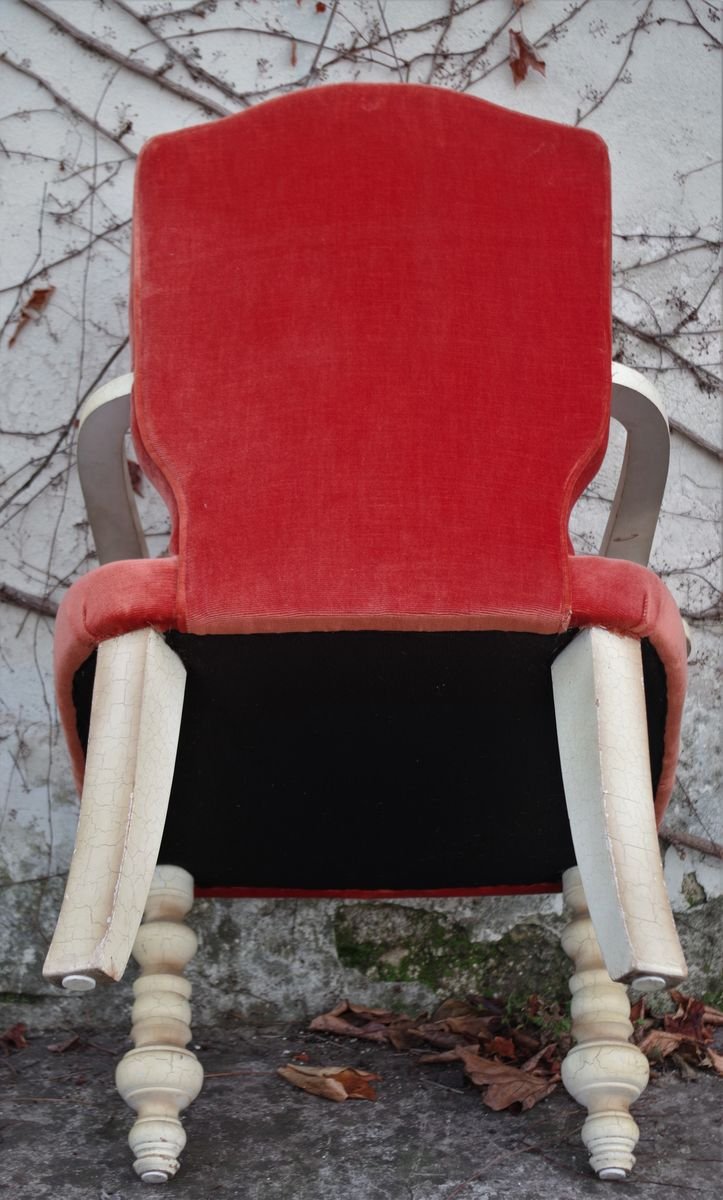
<point>395,943</point>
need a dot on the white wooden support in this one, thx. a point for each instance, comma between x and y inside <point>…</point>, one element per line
<point>114,389</point>
<point>159,1078</point>
<point>602,735</point>
<point>634,512</point>
<point>134,726</point>
<point>604,1071</point>
<point>104,421</point>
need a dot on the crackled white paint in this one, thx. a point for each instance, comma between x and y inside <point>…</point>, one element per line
<point>134,725</point>
<point>159,1078</point>
<point>603,1071</point>
<point>662,124</point>
<point>603,740</point>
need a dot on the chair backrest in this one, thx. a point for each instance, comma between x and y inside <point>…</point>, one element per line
<point>371,331</point>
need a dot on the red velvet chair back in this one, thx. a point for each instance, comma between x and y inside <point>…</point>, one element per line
<point>371,331</point>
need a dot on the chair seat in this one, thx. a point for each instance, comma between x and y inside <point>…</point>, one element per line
<point>423,736</point>
<point>371,763</point>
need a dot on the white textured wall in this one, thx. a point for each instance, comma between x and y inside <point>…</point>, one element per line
<point>645,75</point>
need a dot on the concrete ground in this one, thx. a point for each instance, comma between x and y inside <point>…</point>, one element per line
<point>251,1136</point>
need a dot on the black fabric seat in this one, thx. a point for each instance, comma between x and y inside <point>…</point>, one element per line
<point>371,761</point>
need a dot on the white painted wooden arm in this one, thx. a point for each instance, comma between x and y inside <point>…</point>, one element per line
<point>634,514</point>
<point>603,740</point>
<point>134,726</point>
<point>104,478</point>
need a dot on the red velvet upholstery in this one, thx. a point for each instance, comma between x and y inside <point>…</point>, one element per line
<point>371,336</point>
<point>615,595</point>
<point>395,303</point>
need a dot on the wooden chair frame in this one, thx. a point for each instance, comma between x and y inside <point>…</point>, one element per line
<point>621,929</point>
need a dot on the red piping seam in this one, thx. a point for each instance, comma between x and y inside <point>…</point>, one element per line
<point>250,893</point>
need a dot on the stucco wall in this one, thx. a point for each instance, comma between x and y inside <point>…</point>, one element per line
<point>73,115</point>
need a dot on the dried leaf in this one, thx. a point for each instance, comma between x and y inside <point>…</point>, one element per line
<point>526,1044</point>
<point>136,476</point>
<point>32,308</point>
<point>475,1028</point>
<point>329,1023</point>
<point>689,1020</point>
<point>530,1040</point>
<point>506,1085</point>
<point>371,1024</point>
<point>716,1060</point>
<point>523,56</point>
<point>525,1090</point>
<point>381,1015</point>
<point>460,1024</point>
<point>455,1008</point>
<point>548,1054</point>
<point>14,1036</point>
<point>433,1035</point>
<point>332,1083</point>
<point>443,1056</point>
<point>658,1044</point>
<point>713,1016</point>
<point>457,1031</point>
<point>502,1046</point>
<point>68,1044</point>
<point>503,1084</point>
<point>293,54</point>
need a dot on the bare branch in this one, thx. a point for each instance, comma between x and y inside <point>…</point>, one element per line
<point>696,438</point>
<point>676,838</point>
<point>105,50</point>
<point>195,70</point>
<point>390,39</point>
<point>64,102</point>
<point>314,68</point>
<point>705,378</point>
<point>641,24</point>
<point>47,458</point>
<point>697,22</point>
<point>38,604</point>
<point>105,233</point>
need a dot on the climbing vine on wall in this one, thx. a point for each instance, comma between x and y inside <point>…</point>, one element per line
<point>83,83</point>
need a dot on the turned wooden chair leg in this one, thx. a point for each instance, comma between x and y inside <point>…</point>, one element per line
<point>603,740</point>
<point>159,1078</point>
<point>134,726</point>
<point>604,1071</point>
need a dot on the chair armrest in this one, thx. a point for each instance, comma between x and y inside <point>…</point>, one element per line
<point>634,514</point>
<point>104,477</point>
